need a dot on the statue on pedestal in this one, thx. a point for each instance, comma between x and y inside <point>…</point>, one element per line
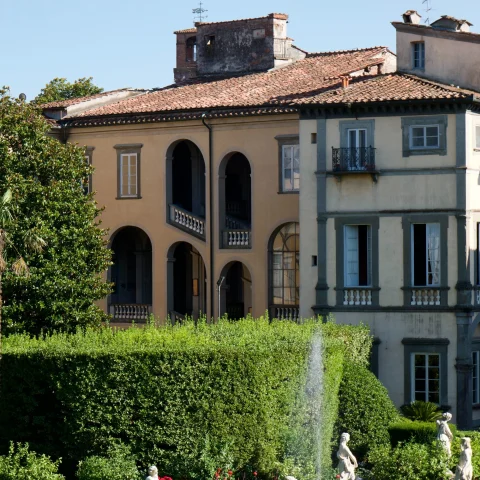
<point>464,469</point>
<point>347,462</point>
<point>152,473</point>
<point>444,435</point>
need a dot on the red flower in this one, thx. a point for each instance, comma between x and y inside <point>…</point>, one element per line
<point>217,474</point>
<point>230,473</point>
<point>337,476</point>
<point>254,474</point>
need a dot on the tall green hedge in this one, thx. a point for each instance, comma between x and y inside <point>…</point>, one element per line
<point>185,398</point>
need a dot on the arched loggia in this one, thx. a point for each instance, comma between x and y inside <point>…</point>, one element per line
<point>185,187</point>
<point>235,291</point>
<point>186,282</point>
<point>235,203</point>
<point>131,275</point>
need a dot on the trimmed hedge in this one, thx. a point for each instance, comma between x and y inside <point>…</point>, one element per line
<point>420,432</point>
<point>184,398</point>
<point>365,410</point>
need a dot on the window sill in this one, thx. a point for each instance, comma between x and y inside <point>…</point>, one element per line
<point>289,192</point>
<point>424,151</point>
<point>128,198</point>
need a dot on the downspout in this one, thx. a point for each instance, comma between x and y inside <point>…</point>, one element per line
<point>211,219</point>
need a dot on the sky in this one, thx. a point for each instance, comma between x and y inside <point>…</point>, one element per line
<point>131,43</point>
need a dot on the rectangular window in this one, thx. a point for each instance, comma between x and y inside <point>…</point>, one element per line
<point>426,254</point>
<point>86,181</point>
<point>476,377</point>
<point>128,175</point>
<point>357,137</point>
<point>424,136</point>
<point>290,168</point>
<point>477,137</point>
<point>426,377</point>
<point>358,256</point>
<point>419,55</point>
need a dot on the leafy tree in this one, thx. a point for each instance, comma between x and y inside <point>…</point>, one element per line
<point>60,89</point>
<point>45,180</point>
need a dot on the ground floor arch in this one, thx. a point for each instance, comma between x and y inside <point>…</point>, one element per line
<point>186,282</point>
<point>235,291</point>
<point>131,275</point>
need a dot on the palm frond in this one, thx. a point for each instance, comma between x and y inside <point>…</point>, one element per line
<point>5,213</point>
<point>20,268</point>
<point>33,241</point>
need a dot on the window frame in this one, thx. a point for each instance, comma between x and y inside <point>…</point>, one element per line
<point>413,379</point>
<point>128,149</point>
<point>476,376</point>
<point>412,256</point>
<point>407,222</point>
<point>347,125</point>
<point>421,56</point>
<point>292,148</point>
<point>340,224</point>
<point>476,137</point>
<point>423,346</point>
<point>285,141</point>
<point>369,256</point>
<point>425,146</point>
<point>88,181</point>
<point>440,121</point>
<point>271,255</point>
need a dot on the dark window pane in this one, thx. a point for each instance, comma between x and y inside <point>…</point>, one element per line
<point>433,360</point>
<point>419,254</point>
<point>434,397</point>
<point>420,373</point>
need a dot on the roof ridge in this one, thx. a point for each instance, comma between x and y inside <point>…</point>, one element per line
<point>445,86</point>
<point>352,50</point>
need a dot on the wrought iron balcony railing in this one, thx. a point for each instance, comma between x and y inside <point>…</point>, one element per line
<point>359,159</point>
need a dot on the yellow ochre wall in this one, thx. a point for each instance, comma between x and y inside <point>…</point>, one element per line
<point>254,137</point>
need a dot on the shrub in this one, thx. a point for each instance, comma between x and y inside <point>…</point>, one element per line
<point>412,461</point>
<point>365,410</point>
<point>421,411</point>
<point>164,391</point>
<point>119,464</point>
<point>21,463</point>
<point>420,432</point>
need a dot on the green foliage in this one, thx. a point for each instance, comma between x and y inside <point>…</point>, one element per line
<point>21,463</point>
<point>186,398</point>
<point>409,460</point>
<point>365,410</point>
<point>420,432</point>
<point>45,179</point>
<point>475,443</point>
<point>119,464</point>
<point>60,89</point>
<point>421,411</point>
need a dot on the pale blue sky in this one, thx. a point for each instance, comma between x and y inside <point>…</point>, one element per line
<point>131,44</point>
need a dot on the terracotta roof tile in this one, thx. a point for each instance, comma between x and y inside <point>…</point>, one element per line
<point>275,87</point>
<point>281,16</point>
<point>75,101</point>
<point>383,88</point>
<point>186,30</point>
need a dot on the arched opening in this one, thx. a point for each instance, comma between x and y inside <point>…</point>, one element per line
<point>235,295</point>
<point>131,275</point>
<point>191,50</point>
<point>235,204</point>
<point>185,187</point>
<point>186,277</point>
<point>284,272</point>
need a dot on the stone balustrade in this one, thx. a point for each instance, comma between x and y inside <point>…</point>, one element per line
<point>127,312</point>
<point>236,239</point>
<point>425,296</point>
<point>287,313</point>
<point>357,296</point>
<point>187,220</point>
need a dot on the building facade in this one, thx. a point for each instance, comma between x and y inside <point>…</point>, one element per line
<point>390,215</point>
<point>200,179</point>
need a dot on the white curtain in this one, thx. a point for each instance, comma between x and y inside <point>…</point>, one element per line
<point>433,254</point>
<point>351,256</point>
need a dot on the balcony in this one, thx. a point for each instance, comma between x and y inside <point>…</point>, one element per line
<point>187,221</point>
<point>237,234</point>
<point>354,160</point>
<point>130,312</point>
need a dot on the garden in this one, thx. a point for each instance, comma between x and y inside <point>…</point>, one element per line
<point>251,399</point>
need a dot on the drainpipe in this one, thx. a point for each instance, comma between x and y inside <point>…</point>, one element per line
<point>211,219</point>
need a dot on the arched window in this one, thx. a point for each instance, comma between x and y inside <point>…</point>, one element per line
<point>284,269</point>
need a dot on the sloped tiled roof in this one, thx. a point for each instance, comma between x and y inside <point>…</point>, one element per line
<point>275,87</point>
<point>75,101</point>
<point>186,30</point>
<point>385,88</point>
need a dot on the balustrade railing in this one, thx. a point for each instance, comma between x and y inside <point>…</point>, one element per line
<point>425,296</point>
<point>280,48</point>
<point>127,312</point>
<point>286,312</point>
<point>357,296</point>
<point>187,220</point>
<point>360,159</point>
<point>176,317</point>
<point>236,239</point>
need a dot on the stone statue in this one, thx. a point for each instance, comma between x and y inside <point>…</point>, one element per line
<point>444,435</point>
<point>347,462</point>
<point>464,469</point>
<point>152,473</point>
